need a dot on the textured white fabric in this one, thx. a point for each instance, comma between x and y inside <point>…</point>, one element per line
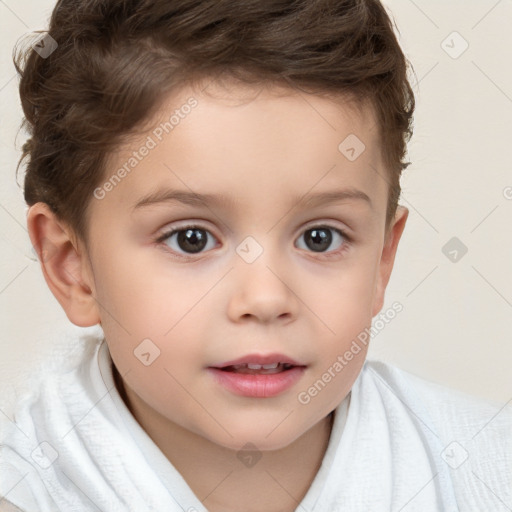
<point>398,443</point>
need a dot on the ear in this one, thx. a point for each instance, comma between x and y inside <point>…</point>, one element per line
<point>65,265</point>
<point>388,257</point>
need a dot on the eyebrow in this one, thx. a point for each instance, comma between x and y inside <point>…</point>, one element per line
<point>194,199</point>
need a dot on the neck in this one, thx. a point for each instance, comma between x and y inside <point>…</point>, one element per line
<point>220,477</point>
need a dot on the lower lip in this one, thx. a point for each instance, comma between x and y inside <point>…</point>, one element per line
<point>258,386</point>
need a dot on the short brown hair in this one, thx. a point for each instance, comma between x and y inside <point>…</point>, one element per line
<point>117,59</point>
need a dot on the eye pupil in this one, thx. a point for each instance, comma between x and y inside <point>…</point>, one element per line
<point>192,240</point>
<point>320,236</point>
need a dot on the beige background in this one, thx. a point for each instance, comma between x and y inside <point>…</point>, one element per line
<point>456,320</point>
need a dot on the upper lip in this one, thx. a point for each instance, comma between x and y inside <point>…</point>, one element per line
<point>259,359</point>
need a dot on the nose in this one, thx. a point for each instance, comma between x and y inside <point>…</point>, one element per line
<point>262,291</point>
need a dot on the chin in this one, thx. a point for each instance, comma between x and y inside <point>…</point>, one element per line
<point>260,436</point>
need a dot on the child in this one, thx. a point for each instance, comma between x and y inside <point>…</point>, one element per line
<point>215,184</point>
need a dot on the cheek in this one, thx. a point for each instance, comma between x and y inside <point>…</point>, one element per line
<point>346,297</point>
<point>138,288</point>
<point>142,300</point>
<point>346,308</point>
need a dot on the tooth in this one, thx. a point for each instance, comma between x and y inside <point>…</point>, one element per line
<point>270,366</point>
<point>254,366</point>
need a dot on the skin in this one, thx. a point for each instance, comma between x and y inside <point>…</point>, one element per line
<point>265,149</point>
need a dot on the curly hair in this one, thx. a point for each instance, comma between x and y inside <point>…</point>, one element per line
<point>116,60</point>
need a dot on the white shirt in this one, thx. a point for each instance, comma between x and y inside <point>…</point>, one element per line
<point>398,443</point>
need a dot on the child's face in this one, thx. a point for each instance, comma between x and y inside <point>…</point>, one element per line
<point>256,284</point>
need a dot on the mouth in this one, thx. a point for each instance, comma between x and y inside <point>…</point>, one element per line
<point>258,369</point>
<point>259,364</point>
<point>258,376</point>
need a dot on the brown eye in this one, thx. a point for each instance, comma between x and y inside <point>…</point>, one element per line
<point>188,240</point>
<point>192,240</point>
<point>320,238</point>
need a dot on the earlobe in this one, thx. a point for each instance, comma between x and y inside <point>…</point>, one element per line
<point>63,265</point>
<point>388,257</point>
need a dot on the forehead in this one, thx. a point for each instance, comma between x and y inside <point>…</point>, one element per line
<point>246,142</point>
<point>272,112</point>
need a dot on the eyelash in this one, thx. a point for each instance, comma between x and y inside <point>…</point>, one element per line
<point>332,254</point>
